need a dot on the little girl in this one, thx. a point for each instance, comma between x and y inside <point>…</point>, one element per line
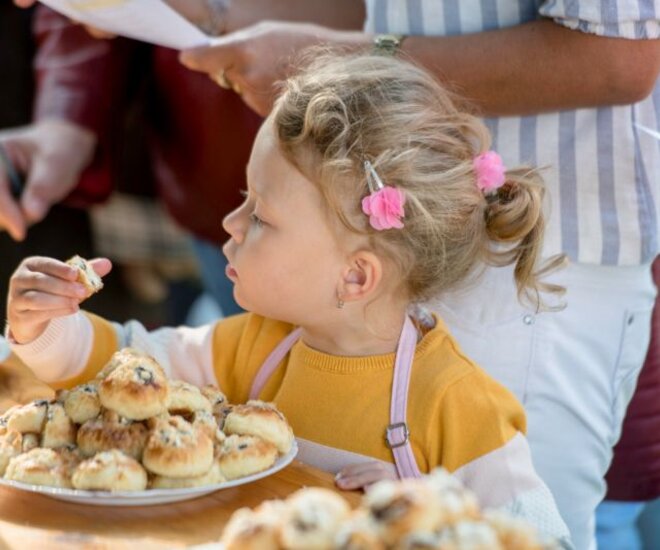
<point>368,192</point>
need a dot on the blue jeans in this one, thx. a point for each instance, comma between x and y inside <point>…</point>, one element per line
<point>616,525</point>
<point>649,525</point>
<point>212,263</point>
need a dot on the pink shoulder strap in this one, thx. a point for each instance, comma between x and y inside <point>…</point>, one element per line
<point>397,435</point>
<point>272,361</point>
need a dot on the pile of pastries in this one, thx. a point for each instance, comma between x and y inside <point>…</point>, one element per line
<point>132,429</point>
<point>435,512</point>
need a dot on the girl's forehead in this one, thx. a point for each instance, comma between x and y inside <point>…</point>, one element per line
<point>269,171</point>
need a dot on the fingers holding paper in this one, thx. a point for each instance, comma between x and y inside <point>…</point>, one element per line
<point>252,60</point>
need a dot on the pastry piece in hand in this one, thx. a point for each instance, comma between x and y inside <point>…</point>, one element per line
<point>213,476</point>
<point>176,449</point>
<point>110,471</point>
<point>86,275</point>
<point>136,389</point>
<point>313,517</point>
<point>262,420</point>
<point>41,467</point>
<point>242,455</point>
<point>255,530</point>
<point>110,431</point>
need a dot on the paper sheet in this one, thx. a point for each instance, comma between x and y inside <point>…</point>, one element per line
<point>148,20</point>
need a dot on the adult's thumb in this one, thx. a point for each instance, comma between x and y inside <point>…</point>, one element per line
<point>47,183</point>
<point>34,208</point>
<point>221,54</point>
<point>193,59</point>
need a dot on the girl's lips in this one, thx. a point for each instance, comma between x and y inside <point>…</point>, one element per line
<point>231,272</point>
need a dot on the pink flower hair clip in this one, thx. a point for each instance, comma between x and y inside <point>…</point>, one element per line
<point>490,171</point>
<point>384,204</point>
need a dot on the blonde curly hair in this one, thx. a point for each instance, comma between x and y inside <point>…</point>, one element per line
<point>341,110</point>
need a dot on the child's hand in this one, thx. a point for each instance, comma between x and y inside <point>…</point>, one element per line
<point>42,289</point>
<point>360,476</point>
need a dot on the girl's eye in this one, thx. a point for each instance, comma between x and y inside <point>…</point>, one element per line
<point>256,220</point>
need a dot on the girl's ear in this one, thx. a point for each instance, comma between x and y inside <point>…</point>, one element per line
<point>361,277</point>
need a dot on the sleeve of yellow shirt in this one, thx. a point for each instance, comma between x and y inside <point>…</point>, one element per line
<point>478,416</point>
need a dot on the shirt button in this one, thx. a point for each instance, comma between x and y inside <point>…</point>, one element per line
<point>528,319</point>
<point>631,319</point>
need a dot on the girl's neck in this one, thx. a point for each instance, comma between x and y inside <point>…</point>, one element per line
<point>349,333</point>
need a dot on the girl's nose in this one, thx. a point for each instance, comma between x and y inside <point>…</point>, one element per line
<point>232,225</point>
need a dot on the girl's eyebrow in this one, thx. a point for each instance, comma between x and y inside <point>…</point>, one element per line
<point>245,193</point>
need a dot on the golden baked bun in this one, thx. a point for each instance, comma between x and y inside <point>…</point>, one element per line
<point>242,455</point>
<point>11,445</point>
<point>186,399</point>
<point>214,395</point>
<point>41,467</point>
<point>205,421</point>
<point>58,430</point>
<point>513,532</point>
<point>28,418</point>
<point>221,412</point>
<point>358,533</point>
<point>119,358</point>
<point>475,535</point>
<point>137,389</point>
<point>398,508</point>
<point>110,431</point>
<point>86,275</point>
<point>176,449</point>
<point>453,501</point>
<point>82,403</point>
<point>262,420</point>
<point>30,441</point>
<point>313,518</point>
<point>255,530</point>
<point>110,471</point>
<point>213,476</point>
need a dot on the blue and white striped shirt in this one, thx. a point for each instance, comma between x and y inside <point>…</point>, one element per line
<point>603,178</point>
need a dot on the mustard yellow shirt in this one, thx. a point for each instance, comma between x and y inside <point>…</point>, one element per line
<point>456,412</point>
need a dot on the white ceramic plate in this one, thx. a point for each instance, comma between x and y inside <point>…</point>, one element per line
<point>151,496</point>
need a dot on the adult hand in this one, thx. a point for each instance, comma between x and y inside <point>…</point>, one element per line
<point>42,289</point>
<point>251,60</point>
<point>362,475</point>
<point>52,154</point>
